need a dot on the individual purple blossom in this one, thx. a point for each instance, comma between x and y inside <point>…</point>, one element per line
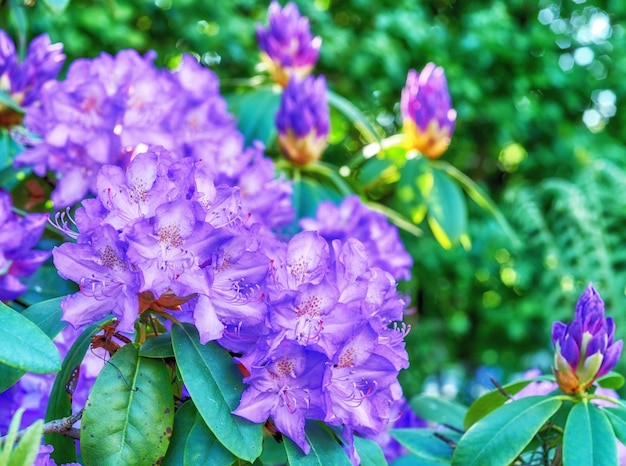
<point>352,218</point>
<point>287,46</point>
<point>303,119</point>
<point>43,457</point>
<point>22,81</point>
<point>427,113</point>
<point>18,236</point>
<point>585,349</point>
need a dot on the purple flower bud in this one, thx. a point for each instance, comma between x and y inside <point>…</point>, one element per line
<point>23,81</point>
<point>303,119</point>
<point>428,116</point>
<point>585,349</point>
<point>287,46</point>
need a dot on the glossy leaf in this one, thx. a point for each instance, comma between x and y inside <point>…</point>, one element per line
<point>25,346</point>
<point>612,380</point>
<point>447,210</point>
<point>193,442</point>
<point>59,405</point>
<point>495,398</point>
<point>129,414</point>
<point>157,347</point>
<point>325,449</point>
<point>617,418</point>
<point>256,111</point>
<point>588,437</point>
<point>215,385</point>
<point>414,460</point>
<point>47,316</point>
<point>8,376</point>
<point>354,115</point>
<point>502,435</point>
<point>308,193</point>
<point>369,451</point>
<point>423,444</point>
<point>438,410</point>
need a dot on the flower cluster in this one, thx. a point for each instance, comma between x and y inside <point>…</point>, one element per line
<point>585,349</point>
<point>353,219</point>
<point>18,237</point>
<point>332,348</point>
<point>427,113</point>
<point>288,49</point>
<point>109,106</point>
<point>23,81</point>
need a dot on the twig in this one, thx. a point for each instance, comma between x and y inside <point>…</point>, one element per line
<point>58,426</point>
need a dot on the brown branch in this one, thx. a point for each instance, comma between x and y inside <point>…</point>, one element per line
<point>58,426</point>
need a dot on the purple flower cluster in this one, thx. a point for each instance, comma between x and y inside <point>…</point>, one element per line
<point>427,113</point>
<point>303,119</point>
<point>108,107</point>
<point>18,237</point>
<point>23,81</point>
<point>585,349</point>
<point>331,349</point>
<point>353,219</point>
<point>288,48</point>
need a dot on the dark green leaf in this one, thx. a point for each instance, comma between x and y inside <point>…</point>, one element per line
<point>424,444</point>
<point>439,410</point>
<point>447,210</point>
<point>612,380</point>
<point>502,435</point>
<point>617,417</point>
<point>47,316</point>
<point>8,376</point>
<point>193,443</point>
<point>129,415</point>
<point>25,346</point>
<point>59,405</point>
<point>325,449</point>
<point>414,460</point>
<point>354,115</point>
<point>588,437</point>
<point>157,347</point>
<point>46,284</point>
<point>369,451</point>
<point>256,111</point>
<point>495,398</point>
<point>215,385</point>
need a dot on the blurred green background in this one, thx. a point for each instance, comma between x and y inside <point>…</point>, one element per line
<point>537,87</point>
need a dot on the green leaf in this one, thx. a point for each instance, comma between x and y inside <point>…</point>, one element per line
<point>612,380</point>
<point>193,443</point>
<point>157,347</point>
<point>369,451</point>
<point>502,435</point>
<point>57,6</point>
<point>8,376</point>
<point>617,417</point>
<point>439,410</point>
<point>7,101</point>
<point>129,414</point>
<point>47,316</point>
<point>256,111</point>
<point>354,115</point>
<point>495,398</point>
<point>414,460</point>
<point>25,346</point>
<point>9,439</point>
<point>307,195</point>
<point>447,210</point>
<point>46,284</point>
<point>27,448</point>
<point>588,437</point>
<point>423,444</point>
<point>215,385</point>
<point>325,449</point>
<point>59,405</point>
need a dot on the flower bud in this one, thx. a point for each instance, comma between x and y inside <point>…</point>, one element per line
<point>585,349</point>
<point>427,113</point>
<point>287,46</point>
<point>303,119</point>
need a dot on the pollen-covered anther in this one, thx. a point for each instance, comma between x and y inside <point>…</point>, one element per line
<point>170,237</point>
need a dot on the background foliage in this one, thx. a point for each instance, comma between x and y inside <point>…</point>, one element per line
<point>537,88</point>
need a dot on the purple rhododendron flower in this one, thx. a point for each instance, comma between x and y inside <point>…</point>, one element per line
<point>287,46</point>
<point>333,348</point>
<point>354,219</point>
<point>427,113</point>
<point>585,349</point>
<point>43,457</point>
<point>23,81</point>
<point>18,237</point>
<point>303,119</point>
<point>111,107</point>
